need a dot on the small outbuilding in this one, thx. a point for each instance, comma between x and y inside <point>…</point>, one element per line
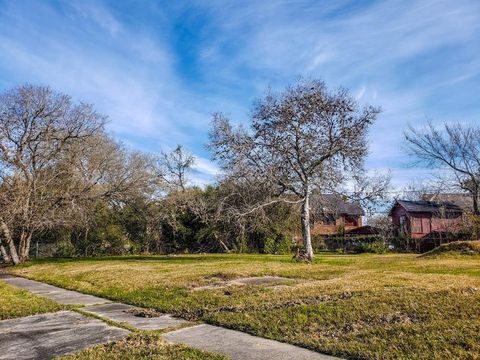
<point>417,219</point>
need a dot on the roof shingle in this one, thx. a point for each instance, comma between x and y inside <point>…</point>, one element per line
<point>429,206</point>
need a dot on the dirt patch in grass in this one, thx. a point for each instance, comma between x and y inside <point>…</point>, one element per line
<point>145,313</point>
<point>254,280</point>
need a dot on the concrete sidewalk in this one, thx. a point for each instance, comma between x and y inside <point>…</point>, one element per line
<point>238,345</point>
<point>235,344</point>
<point>61,296</point>
<point>45,336</point>
<point>123,313</point>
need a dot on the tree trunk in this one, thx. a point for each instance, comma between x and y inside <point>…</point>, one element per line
<point>11,246</point>
<point>24,248</point>
<point>476,209</point>
<point>305,216</point>
<point>476,215</point>
<point>6,258</point>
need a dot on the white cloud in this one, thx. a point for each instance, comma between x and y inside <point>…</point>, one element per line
<point>409,58</point>
<point>95,11</point>
<point>206,166</point>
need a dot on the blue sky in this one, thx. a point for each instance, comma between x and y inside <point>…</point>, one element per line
<point>160,69</point>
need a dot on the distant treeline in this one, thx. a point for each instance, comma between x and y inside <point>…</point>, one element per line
<point>67,188</point>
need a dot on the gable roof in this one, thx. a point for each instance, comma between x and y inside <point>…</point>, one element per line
<point>462,200</point>
<point>428,206</point>
<point>335,204</point>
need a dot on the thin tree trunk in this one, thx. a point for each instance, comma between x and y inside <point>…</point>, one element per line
<point>11,246</point>
<point>476,209</point>
<point>476,213</point>
<point>305,216</point>
<point>25,245</point>
<point>21,245</point>
<point>6,258</point>
<point>225,247</point>
<point>85,240</point>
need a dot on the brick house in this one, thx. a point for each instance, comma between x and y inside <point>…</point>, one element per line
<point>333,213</point>
<point>417,219</point>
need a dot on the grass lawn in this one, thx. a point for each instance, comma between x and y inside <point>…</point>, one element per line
<point>17,303</point>
<point>142,346</point>
<point>353,306</point>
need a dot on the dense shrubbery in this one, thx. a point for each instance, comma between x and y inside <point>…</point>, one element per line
<point>350,244</point>
<point>376,247</point>
<point>181,222</point>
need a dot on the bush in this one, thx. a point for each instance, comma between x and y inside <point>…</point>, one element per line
<point>349,244</point>
<point>376,247</point>
<point>269,245</point>
<point>114,240</point>
<point>318,243</point>
<point>65,249</point>
<point>279,244</point>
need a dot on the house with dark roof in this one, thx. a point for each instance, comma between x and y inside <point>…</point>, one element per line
<point>332,213</point>
<point>417,219</point>
<point>463,200</point>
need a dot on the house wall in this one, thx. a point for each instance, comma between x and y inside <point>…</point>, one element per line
<point>397,213</point>
<point>450,225</point>
<point>418,225</point>
<point>322,229</point>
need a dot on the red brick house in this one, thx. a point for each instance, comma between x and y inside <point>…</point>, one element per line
<point>417,219</point>
<point>333,213</point>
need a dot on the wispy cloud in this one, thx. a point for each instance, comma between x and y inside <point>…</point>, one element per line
<point>159,71</point>
<point>206,166</point>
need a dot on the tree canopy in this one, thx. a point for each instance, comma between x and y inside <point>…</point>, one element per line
<point>304,138</point>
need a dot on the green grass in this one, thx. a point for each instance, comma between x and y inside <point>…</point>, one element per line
<point>146,345</point>
<point>17,303</point>
<point>353,306</point>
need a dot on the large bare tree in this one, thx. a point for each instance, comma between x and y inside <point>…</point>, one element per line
<point>304,138</point>
<point>455,148</point>
<point>55,160</point>
<point>36,125</point>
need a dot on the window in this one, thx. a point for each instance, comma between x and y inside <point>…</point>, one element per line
<point>328,219</point>
<point>417,225</point>
<point>351,221</point>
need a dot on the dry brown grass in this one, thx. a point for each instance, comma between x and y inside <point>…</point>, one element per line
<point>359,306</point>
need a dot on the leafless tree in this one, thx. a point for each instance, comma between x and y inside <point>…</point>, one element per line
<point>455,148</point>
<point>368,190</point>
<point>304,138</point>
<point>174,167</point>
<point>36,125</point>
<point>55,159</point>
<point>383,224</point>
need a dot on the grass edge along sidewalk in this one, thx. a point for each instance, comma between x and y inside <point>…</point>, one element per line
<point>233,343</point>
